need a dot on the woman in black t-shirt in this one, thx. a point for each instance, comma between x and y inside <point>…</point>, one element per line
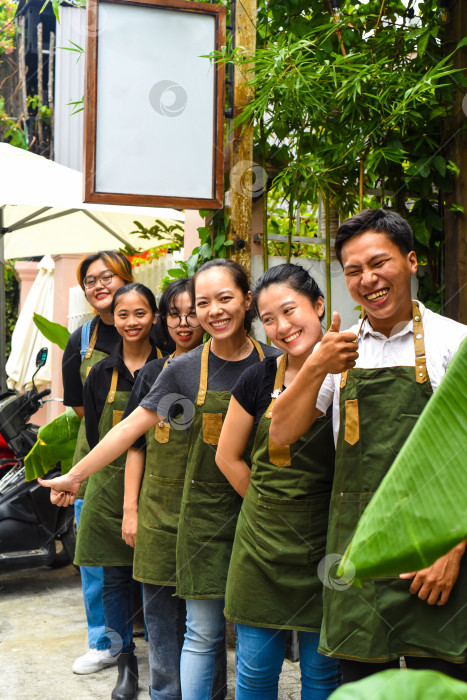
<point>274,582</point>
<point>99,275</point>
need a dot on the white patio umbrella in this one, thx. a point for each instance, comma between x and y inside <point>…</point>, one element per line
<point>27,339</point>
<point>42,212</point>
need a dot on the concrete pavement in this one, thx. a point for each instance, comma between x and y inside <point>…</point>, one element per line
<point>42,631</point>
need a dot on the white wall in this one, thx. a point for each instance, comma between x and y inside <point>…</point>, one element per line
<point>69,87</point>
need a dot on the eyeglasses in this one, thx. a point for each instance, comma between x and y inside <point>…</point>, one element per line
<point>174,320</point>
<point>104,278</point>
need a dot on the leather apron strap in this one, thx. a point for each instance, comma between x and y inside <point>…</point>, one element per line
<point>113,386</point>
<point>421,373</point>
<point>203,379</point>
<point>278,383</point>
<point>92,343</point>
<point>170,357</point>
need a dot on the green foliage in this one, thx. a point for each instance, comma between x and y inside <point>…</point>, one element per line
<point>160,231</point>
<point>11,303</point>
<point>213,244</point>
<point>56,442</point>
<point>409,684</point>
<point>54,332</point>
<point>371,89</point>
<point>7,26</point>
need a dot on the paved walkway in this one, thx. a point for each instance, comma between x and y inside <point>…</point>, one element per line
<point>42,630</point>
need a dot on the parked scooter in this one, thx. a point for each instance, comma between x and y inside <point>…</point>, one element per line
<point>33,531</point>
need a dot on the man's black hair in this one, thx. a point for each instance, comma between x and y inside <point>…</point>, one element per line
<point>385,221</point>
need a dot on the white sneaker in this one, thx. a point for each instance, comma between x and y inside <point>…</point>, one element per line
<point>93,660</point>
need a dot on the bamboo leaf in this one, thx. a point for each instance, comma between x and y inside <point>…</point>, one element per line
<point>54,332</point>
<point>419,511</point>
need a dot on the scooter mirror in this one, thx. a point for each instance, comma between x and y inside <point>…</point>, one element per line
<point>41,357</point>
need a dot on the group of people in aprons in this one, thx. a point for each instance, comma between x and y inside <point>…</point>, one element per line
<point>248,467</point>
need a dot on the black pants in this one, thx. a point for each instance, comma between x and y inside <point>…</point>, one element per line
<point>356,670</point>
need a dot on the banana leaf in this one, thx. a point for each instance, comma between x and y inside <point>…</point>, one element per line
<point>419,511</point>
<point>54,332</point>
<point>56,442</point>
<point>409,685</point>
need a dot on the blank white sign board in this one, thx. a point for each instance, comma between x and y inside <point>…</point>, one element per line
<point>156,121</point>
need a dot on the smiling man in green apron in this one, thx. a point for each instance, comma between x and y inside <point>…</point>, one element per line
<point>404,350</point>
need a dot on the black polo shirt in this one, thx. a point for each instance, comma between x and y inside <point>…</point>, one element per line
<point>107,339</point>
<point>97,386</point>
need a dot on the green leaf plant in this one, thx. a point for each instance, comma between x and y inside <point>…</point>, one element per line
<point>56,442</point>
<point>408,684</point>
<point>353,105</point>
<point>54,332</point>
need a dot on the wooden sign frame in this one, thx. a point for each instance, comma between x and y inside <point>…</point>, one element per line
<point>110,180</point>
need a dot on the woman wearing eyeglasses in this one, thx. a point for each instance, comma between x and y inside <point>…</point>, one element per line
<point>100,275</point>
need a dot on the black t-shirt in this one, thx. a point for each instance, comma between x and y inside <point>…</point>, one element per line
<point>181,377</point>
<point>254,388</point>
<point>106,341</point>
<point>143,383</point>
<point>97,386</point>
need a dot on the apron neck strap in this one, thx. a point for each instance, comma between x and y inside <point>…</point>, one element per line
<point>93,342</point>
<point>278,383</point>
<point>169,358</point>
<point>159,354</point>
<point>113,386</point>
<point>421,373</point>
<point>203,379</point>
<point>257,347</point>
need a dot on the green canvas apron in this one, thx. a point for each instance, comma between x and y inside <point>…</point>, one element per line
<point>210,505</point>
<point>382,620</point>
<point>99,541</point>
<point>281,529</point>
<point>91,358</point>
<point>159,504</point>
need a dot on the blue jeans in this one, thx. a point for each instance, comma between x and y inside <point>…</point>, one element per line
<point>117,596</point>
<point>205,633</point>
<point>165,621</point>
<point>91,582</point>
<point>260,655</point>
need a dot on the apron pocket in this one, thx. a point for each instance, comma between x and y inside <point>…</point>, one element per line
<point>213,511</point>
<point>350,510</point>
<point>290,531</point>
<point>162,503</point>
<point>279,455</point>
<point>162,433</point>
<point>116,417</point>
<point>212,426</point>
<point>352,426</point>
<point>110,490</point>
